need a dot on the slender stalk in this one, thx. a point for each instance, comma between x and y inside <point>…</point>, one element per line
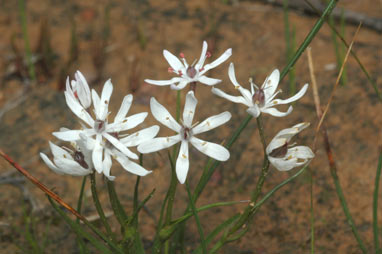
<point>98,206</point>
<point>309,37</point>
<point>80,241</point>
<point>116,205</point>
<point>311,214</point>
<point>24,27</point>
<point>378,249</point>
<point>200,229</point>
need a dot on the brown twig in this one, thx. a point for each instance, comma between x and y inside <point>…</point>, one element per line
<point>41,186</point>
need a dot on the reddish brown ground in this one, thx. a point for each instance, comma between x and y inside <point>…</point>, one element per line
<point>256,34</point>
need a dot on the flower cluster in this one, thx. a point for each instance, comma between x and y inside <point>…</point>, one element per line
<point>98,141</point>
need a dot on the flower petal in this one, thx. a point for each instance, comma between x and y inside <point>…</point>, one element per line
<point>107,166</point>
<point>72,135</point>
<point>172,60</point>
<point>163,116</point>
<point>246,93</point>
<point>218,61</point>
<point>212,122</point>
<point>293,98</point>
<point>209,81</point>
<point>140,136</point>
<point>270,84</point>
<point>275,112</point>
<point>131,166</point>
<point>215,151</point>
<point>235,99</point>
<point>203,55</point>
<point>120,146</point>
<point>182,84</point>
<point>127,123</point>
<point>78,110</point>
<point>182,163</point>
<point>83,90</point>
<point>125,106</point>
<point>282,164</point>
<point>105,99</point>
<point>254,111</point>
<point>301,152</point>
<point>50,164</point>
<point>70,167</point>
<point>97,154</point>
<point>164,82</point>
<point>157,144</point>
<point>189,109</point>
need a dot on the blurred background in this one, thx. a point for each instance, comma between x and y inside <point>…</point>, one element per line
<point>44,41</point>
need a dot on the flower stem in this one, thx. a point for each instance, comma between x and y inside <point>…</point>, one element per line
<point>378,249</point>
<point>99,207</point>
<point>200,229</point>
<point>118,209</point>
<point>80,241</point>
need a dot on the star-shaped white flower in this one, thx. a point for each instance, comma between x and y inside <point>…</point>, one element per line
<point>260,99</point>
<point>186,134</point>
<point>190,73</point>
<point>66,161</point>
<point>79,89</point>
<point>107,141</point>
<point>282,155</point>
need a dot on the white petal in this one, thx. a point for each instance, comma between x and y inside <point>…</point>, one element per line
<point>288,133</point>
<point>78,110</point>
<point>246,93</point>
<point>275,112</point>
<point>232,76</point>
<point>72,135</point>
<point>96,102</point>
<point>293,98</point>
<point>218,61</point>
<point>50,164</point>
<point>131,166</point>
<point>163,82</point>
<point>157,144</point>
<point>182,84</point>
<point>189,109</point>
<point>254,111</point>
<point>182,163</point>
<point>301,152</point>
<point>163,116</point>
<point>212,150</point>
<point>105,99</point>
<point>140,136</point>
<point>120,146</point>
<point>275,143</point>
<point>59,152</point>
<point>125,106</point>
<point>172,60</point>
<point>203,55</point>
<point>127,123</point>
<point>235,99</point>
<point>107,166</point>
<point>97,154</point>
<point>281,164</point>
<point>83,90</point>
<point>209,81</point>
<point>270,84</point>
<point>70,167</point>
<point>211,123</point>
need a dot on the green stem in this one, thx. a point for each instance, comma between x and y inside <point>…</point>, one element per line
<point>309,38</point>
<point>311,214</point>
<point>80,241</point>
<point>99,208</point>
<point>195,213</point>
<point>23,17</point>
<point>378,249</point>
<point>118,209</point>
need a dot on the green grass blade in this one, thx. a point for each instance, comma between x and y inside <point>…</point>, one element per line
<point>378,249</point>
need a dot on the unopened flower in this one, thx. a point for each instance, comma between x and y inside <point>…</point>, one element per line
<point>283,155</point>
<point>79,89</point>
<point>186,134</point>
<point>190,73</point>
<point>260,99</point>
<point>67,161</point>
<point>106,142</point>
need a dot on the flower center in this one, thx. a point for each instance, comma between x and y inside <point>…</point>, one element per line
<point>279,152</point>
<point>259,97</point>
<point>186,133</point>
<point>191,71</point>
<point>80,159</point>
<point>99,126</point>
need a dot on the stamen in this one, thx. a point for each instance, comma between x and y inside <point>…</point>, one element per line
<point>181,55</point>
<point>184,156</point>
<point>170,70</point>
<point>208,54</point>
<point>279,152</point>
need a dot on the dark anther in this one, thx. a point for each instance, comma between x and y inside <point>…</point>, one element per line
<point>79,157</point>
<point>191,71</point>
<point>186,132</point>
<point>259,97</point>
<point>99,125</point>
<point>280,151</point>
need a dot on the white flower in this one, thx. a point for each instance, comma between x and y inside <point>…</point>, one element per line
<point>260,100</point>
<point>186,134</point>
<point>282,155</point>
<point>190,73</point>
<point>107,140</point>
<point>79,89</point>
<point>77,163</point>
